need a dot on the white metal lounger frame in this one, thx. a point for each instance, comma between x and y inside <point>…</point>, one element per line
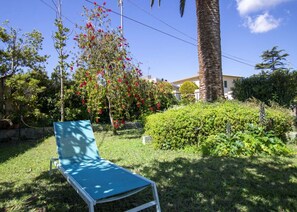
<point>91,202</point>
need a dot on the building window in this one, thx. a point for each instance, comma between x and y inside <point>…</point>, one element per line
<point>225,84</point>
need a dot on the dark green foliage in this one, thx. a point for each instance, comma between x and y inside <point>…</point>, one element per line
<point>19,52</point>
<point>192,124</point>
<point>252,141</point>
<point>272,60</point>
<point>275,82</point>
<point>278,86</point>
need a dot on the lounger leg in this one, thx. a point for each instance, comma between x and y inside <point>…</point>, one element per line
<point>52,160</point>
<point>91,207</point>
<point>155,193</point>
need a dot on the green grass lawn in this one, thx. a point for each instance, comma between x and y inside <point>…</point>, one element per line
<point>185,181</point>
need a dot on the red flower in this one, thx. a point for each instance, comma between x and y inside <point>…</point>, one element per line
<point>83,101</point>
<point>84,83</point>
<point>101,73</point>
<point>78,93</point>
<point>139,72</point>
<point>127,58</point>
<point>89,25</point>
<point>120,80</point>
<point>123,121</point>
<point>158,105</point>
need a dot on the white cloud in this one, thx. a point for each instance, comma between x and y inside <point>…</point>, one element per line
<point>246,7</point>
<point>262,23</point>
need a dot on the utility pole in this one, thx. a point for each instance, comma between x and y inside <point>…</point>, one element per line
<point>121,4</point>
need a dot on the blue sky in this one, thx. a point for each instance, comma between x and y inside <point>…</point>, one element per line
<point>248,27</point>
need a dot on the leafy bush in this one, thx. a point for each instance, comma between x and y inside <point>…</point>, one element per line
<point>187,90</point>
<point>192,124</point>
<point>252,141</point>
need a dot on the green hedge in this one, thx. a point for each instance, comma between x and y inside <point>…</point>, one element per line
<point>193,124</point>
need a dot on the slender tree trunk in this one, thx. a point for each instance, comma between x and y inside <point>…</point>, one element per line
<point>209,50</point>
<point>2,101</point>
<point>62,94</point>
<point>114,130</point>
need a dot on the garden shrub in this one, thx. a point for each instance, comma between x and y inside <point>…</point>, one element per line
<point>252,141</point>
<point>193,124</point>
<point>187,90</point>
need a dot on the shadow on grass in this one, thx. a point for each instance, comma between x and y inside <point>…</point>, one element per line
<point>225,184</point>
<point>11,149</point>
<point>204,184</point>
<point>207,184</point>
<point>53,193</point>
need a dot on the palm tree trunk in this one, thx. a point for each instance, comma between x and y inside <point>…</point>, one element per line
<point>209,50</point>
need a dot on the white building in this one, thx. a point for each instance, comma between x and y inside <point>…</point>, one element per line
<point>228,84</point>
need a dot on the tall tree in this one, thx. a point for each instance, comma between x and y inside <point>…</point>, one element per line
<point>18,53</point>
<point>60,38</point>
<point>106,75</point>
<point>273,59</point>
<point>209,48</point>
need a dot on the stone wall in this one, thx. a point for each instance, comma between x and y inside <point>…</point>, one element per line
<point>25,134</point>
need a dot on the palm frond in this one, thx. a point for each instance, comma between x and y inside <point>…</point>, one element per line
<point>182,7</point>
<point>153,1</point>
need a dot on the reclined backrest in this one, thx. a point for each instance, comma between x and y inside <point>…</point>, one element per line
<point>75,142</point>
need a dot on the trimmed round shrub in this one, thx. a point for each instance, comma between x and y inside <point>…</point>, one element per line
<point>187,90</point>
<point>193,124</point>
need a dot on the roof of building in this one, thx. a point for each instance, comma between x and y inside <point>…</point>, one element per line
<point>196,77</point>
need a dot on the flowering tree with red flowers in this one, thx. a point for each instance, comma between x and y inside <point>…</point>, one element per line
<point>107,77</point>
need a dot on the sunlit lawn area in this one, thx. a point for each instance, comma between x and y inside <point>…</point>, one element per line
<point>185,181</point>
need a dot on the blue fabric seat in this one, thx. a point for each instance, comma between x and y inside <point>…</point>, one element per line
<point>95,179</point>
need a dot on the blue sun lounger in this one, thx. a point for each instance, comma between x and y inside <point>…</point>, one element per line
<point>96,180</point>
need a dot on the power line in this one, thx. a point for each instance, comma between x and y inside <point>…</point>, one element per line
<point>170,35</point>
<point>158,19</point>
<point>148,26</point>
<point>177,30</point>
<point>48,5</point>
